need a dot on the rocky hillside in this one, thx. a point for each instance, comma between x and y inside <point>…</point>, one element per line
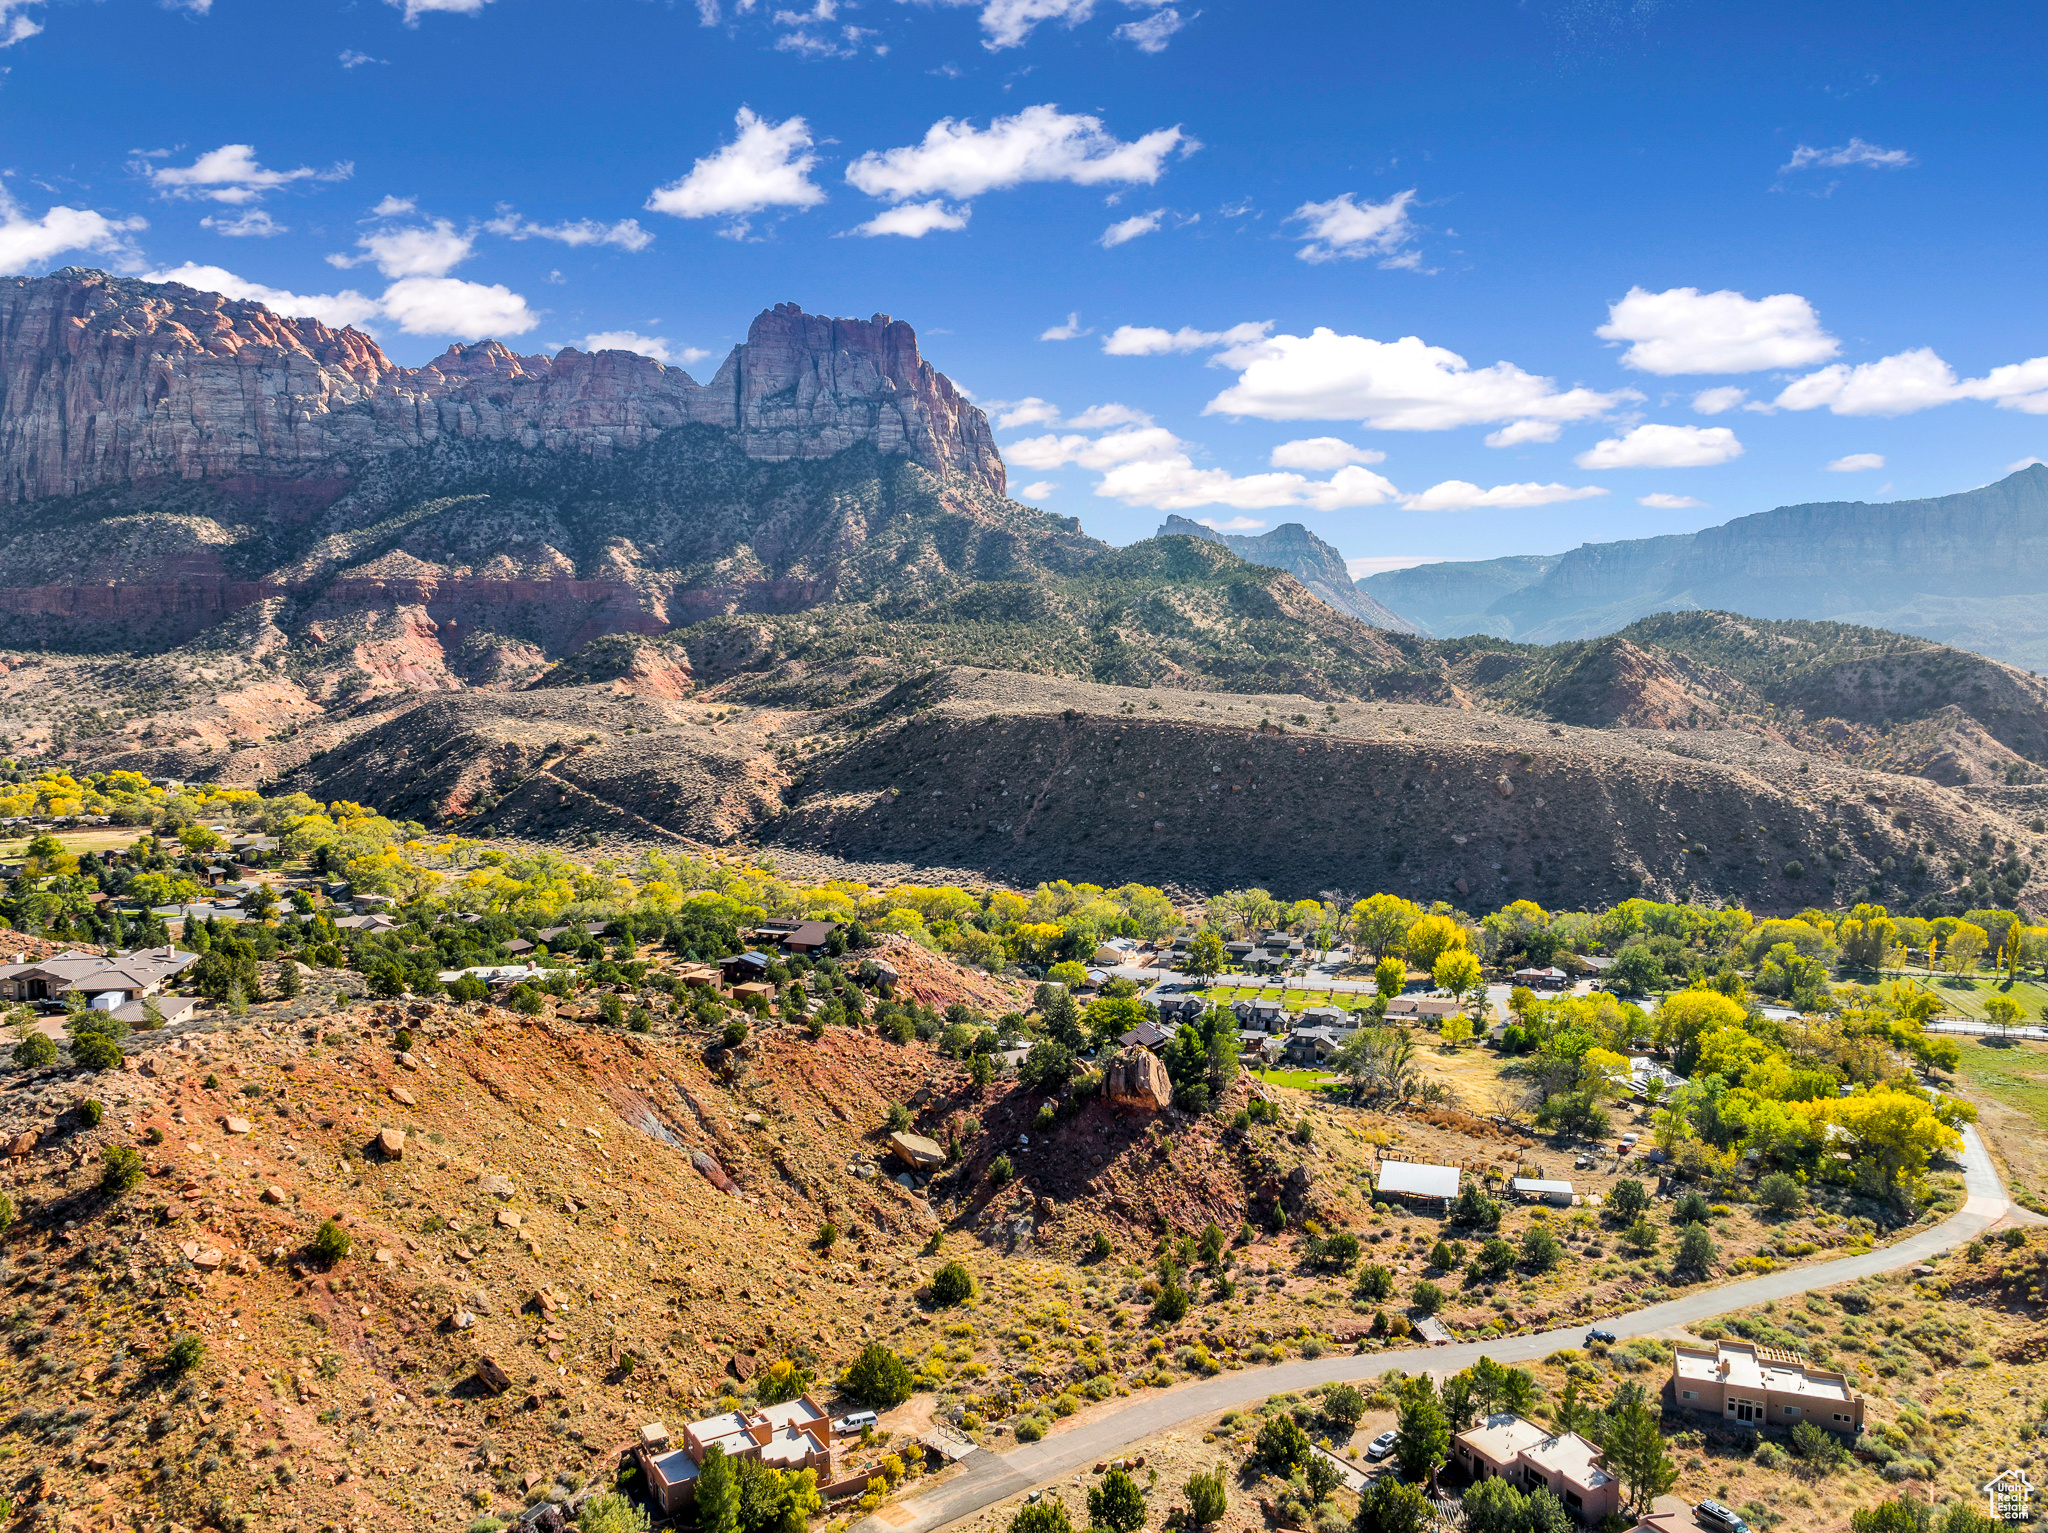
<point>1316,564</point>
<point>1966,569</point>
<point>971,772</point>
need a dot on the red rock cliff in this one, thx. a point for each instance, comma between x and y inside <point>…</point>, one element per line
<point>108,381</point>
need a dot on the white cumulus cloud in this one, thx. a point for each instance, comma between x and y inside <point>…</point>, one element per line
<point>252,223</point>
<point>646,345</point>
<point>1462,495</point>
<point>347,307</point>
<point>767,165</point>
<point>29,244</point>
<point>1230,523</point>
<point>1038,490</point>
<point>15,26</point>
<point>917,219</point>
<point>449,306</point>
<point>1515,433</point>
<point>1010,23</point>
<point>1152,341</point>
<point>1030,411</point>
<point>1663,502</point>
<point>420,250</point>
<point>420,305</point>
<point>1145,465</point>
<point>355,58</point>
<point>1344,229</point>
<point>1856,463</point>
<point>1125,230</point>
<point>1718,401</point>
<point>1040,143</point>
<point>1855,152</point>
<point>1683,330</point>
<point>1916,380</point>
<point>1102,417</point>
<point>1401,385</point>
<point>626,233</point>
<point>1152,33</point>
<point>415,9</point>
<point>1655,446</point>
<point>1320,454</point>
<point>1071,330</point>
<point>231,174</point>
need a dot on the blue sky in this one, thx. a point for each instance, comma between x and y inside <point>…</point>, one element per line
<point>1345,265</point>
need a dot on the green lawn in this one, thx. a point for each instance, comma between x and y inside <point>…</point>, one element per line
<point>2009,1082</point>
<point>1291,1000</point>
<point>1297,1080</point>
<point>1965,995</point>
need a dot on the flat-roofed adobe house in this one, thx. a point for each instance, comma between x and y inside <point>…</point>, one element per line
<point>1533,1457</point>
<point>1748,1385</point>
<point>793,1436</point>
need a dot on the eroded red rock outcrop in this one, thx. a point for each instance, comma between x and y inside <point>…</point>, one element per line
<point>107,381</point>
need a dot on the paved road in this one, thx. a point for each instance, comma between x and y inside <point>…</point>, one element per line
<point>989,1477</point>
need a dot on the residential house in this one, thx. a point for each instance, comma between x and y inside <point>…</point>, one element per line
<point>748,966</point>
<point>809,936</point>
<point>1413,1182</point>
<point>1313,1045</point>
<point>108,982</point>
<point>1117,950</point>
<point>1543,979</point>
<point>1422,1008</point>
<point>1183,1008</point>
<point>1325,1016</point>
<point>1238,951</point>
<point>366,923</point>
<point>1260,1050</point>
<point>170,1008</point>
<point>1269,1016</point>
<point>1148,1035</point>
<point>1532,1457</point>
<point>791,1437</point>
<point>1744,1384</point>
<point>517,946</point>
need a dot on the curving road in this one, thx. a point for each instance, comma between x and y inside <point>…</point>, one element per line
<point>989,1477</point>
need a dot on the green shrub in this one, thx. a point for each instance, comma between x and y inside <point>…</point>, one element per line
<point>96,1053</point>
<point>952,1284</point>
<point>877,1378</point>
<point>1030,1429</point>
<point>120,1170</point>
<point>897,1118</point>
<point>90,1112</point>
<point>1000,1170</point>
<point>185,1354</point>
<point>612,1513</point>
<point>35,1052</point>
<point>331,1242</point>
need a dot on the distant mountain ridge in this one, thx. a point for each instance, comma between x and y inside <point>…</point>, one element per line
<point>1316,564</point>
<point>1967,569</point>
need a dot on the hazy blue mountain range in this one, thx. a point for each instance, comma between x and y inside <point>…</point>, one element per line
<point>1969,569</point>
<point>1316,564</point>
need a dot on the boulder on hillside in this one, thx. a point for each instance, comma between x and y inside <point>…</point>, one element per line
<point>1136,1078</point>
<point>917,1152</point>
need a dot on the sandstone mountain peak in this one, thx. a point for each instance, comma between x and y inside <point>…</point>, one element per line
<point>111,381</point>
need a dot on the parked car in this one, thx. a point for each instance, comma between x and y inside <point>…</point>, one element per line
<point>1380,1446</point>
<point>858,1422</point>
<point>1596,1334</point>
<point>1718,1516</point>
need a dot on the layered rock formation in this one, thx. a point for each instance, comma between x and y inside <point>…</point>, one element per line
<point>106,382</point>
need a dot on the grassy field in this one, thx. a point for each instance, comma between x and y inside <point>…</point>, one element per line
<point>2008,1080</point>
<point>1965,995</point>
<point>96,840</point>
<point>1290,1000</point>
<point>1300,1080</point>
